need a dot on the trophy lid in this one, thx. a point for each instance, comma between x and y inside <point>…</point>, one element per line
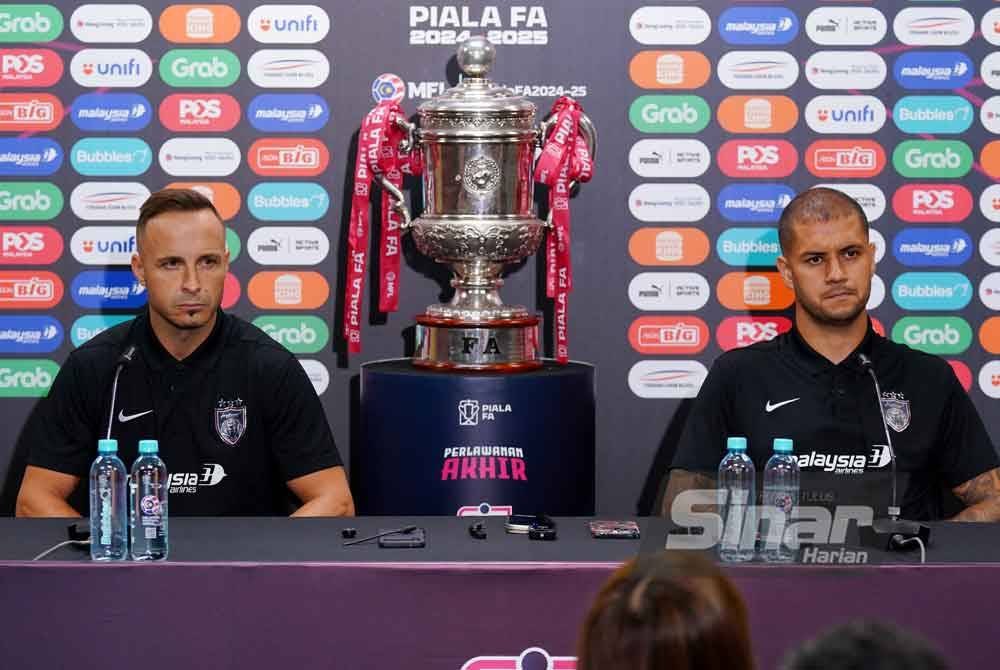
<point>476,93</point>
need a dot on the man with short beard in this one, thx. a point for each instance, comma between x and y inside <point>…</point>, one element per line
<point>810,385</point>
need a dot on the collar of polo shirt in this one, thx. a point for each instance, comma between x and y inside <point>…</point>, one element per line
<point>157,357</point>
<point>817,364</point>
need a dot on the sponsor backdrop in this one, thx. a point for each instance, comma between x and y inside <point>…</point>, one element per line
<point>711,116</point>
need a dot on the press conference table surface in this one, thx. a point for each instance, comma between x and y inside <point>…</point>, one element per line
<point>273,592</point>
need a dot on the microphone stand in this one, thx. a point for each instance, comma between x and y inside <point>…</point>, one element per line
<point>891,533</point>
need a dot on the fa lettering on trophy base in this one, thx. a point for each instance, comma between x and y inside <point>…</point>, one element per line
<point>475,147</point>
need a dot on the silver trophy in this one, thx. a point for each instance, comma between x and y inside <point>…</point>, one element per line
<point>478,141</point>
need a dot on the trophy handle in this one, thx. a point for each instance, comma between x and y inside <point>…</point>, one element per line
<point>398,203</point>
<point>407,145</point>
<point>589,136</point>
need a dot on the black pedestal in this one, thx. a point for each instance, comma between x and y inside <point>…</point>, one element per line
<point>475,443</point>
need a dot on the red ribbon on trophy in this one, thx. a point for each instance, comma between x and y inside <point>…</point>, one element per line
<point>378,157</point>
<point>565,159</point>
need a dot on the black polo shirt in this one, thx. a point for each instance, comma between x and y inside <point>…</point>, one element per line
<point>235,420</point>
<point>784,388</point>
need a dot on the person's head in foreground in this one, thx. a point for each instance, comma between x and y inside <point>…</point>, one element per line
<point>865,645</point>
<point>671,610</point>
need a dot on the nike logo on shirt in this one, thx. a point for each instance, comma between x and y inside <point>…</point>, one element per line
<point>770,408</point>
<point>125,418</point>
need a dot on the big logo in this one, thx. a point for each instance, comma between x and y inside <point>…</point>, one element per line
<point>111,156</point>
<point>749,247</point>
<point>30,112</point>
<point>29,201</point>
<point>29,245</point>
<point>27,377</point>
<point>932,291</point>
<point>940,335</point>
<point>668,291</point>
<point>857,159</point>
<point>29,289</point>
<point>288,245</point>
<point>288,290</point>
<point>288,68</point>
<point>860,70</point>
<point>107,289</point>
<point>947,114</point>
<point>669,202</point>
<point>298,334</point>
<point>199,157</point>
<point>111,23</point>
<point>288,201</point>
<point>669,69</point>
<point>111,68</point>
<point>846,26</point>
<point>764,158</point>
<point>667,379</point>
<point>205,24</point>
<point>29,156</point>
<point>845,114</point>
<point>287,113</point>
<point>33,68</point>
<point>103,245</point>
<point>932,247</point>
<point>200,113</point>
<point>668,246</point>
<point>29,23</point>
<point>108,201</point>
<point>288,157</point>
<point>768,70</point>
<point>669,114</point>
<point>933,70</point>
<point>758,25</point>
<point>199,68</point>
<point>669,158</point>
<point>758,114</point>
<point>116,112</point>
<point>869,196</point>
<point>933,26</point>
<point>668,335</point>
<point>753,203</point>
<point>29,334</point>
<point>932,203</point>
<point>670,25</point>
<point>742,331</point>
<point>91,325</point>
<point>936,159</point>
<point>288,24</point>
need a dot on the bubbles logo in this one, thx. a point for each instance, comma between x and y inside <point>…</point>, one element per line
<point>29,156</point>
<point>111,111</point>
<point>92,325</point>
<point>288,113</point>
<point>389,87</point>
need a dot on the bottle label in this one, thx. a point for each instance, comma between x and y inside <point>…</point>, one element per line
<point>104,492</point>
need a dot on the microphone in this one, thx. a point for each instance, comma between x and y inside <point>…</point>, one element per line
<point>404,530</point>
<point>123,361</point>
<point>892,533</point>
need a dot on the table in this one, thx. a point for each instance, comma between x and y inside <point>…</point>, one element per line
<point>262,593</point>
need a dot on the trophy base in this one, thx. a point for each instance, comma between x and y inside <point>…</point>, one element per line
<point>493,345</point>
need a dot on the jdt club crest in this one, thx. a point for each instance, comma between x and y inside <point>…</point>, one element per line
<point>230,420</point>
<point>896,409</point>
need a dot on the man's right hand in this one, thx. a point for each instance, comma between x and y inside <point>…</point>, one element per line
<point>44,493</point>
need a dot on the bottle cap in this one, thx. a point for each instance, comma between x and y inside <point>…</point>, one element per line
<point>782,445</point>
<point>736,444</point>
<point>149,447</point>
<point>107,446</point>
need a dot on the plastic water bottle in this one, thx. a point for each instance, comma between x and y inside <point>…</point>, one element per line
<point>736,478</point>
<point>781,496</point>
<point>108,511</point>
<point>149,504</point>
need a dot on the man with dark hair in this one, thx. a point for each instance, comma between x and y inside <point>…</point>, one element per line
<point>239,424</point>
<point>865,645</point>
<point>811,384</point>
